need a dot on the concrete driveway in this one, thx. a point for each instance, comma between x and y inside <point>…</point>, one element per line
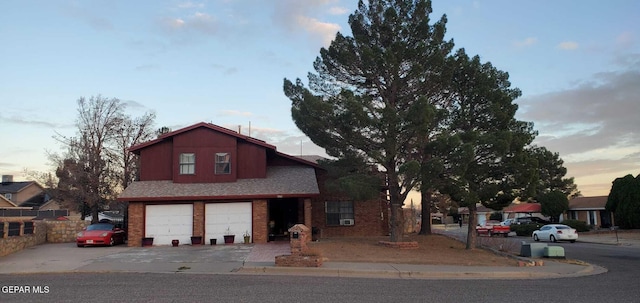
<point>66,257</point>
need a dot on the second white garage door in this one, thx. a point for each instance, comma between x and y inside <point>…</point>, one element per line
<point>221,218</point>
<point>168,222</point>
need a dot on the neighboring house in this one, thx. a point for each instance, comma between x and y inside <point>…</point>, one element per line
<point>6,203</point>
<point>207,181</point>
<point>23,193</point>
<point>482,213</point>
<point>590,210</point>
<point>517,210</point>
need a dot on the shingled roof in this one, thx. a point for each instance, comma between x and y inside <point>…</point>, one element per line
<point>588,203</point>
<point>281,182</point>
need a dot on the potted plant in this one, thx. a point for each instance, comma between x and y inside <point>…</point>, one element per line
<point>196,240</point>
<point>229,238</point>
<point>247,237</point>
<point>147,241</point>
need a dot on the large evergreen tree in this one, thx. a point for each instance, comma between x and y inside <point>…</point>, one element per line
<point>624,201</point>
<point>486,143</point>
<point>374,95</point>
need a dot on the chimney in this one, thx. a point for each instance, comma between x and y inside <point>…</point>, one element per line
<point>7,178</point>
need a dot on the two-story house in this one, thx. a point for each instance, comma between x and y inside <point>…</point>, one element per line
<point>208,181</point>
<point>23,193</point>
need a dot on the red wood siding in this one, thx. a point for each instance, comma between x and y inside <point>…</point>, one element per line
<point>156,162</point>
<point>252,161</point>
<point>204,143</point>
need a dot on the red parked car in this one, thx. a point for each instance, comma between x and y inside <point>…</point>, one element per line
<point>101,234</point>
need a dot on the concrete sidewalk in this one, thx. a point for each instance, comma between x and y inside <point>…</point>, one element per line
<point>252,259</point>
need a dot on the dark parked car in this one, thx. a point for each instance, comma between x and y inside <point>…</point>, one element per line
<point>531,219</point>
<point>101,234</point>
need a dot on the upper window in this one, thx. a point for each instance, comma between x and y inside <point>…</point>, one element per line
<point>187,164</point>
<point>339,212</point>
<point>223,164</point>
<point>8,196</point>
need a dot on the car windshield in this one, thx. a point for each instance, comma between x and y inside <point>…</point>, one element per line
<point>100,226</point>
<point>562,227</point>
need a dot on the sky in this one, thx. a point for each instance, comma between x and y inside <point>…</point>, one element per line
<point>577,63</point>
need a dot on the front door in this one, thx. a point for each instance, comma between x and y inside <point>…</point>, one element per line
<point>283,214</point>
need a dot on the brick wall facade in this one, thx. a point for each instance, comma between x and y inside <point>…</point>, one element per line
<point>260,221</point>
<point>135,230</point>
<point>198,219</point>
<point>371,218</point>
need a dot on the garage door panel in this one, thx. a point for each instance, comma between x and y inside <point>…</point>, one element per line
<point>168,222</point>
<point>236,217</point>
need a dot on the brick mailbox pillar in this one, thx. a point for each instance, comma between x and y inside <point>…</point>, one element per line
<point>299,236</point>
<point>301,255</point>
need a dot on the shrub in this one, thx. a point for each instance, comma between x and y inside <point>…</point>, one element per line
<point>525,229</point>
<point>580,226</point>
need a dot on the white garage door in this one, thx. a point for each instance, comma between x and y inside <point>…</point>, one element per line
<point>168,222</point>
<point>221,218</point>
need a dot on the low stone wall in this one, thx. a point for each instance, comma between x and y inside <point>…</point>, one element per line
<point>64,231</point>
<point>43,232</point>
<point>9,245</point>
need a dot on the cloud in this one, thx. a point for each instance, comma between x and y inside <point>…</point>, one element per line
<point>625,40</point>
<point>600,112</point>
<point>88,15</point>
<point>235,113</point>
<point>291,143</point>
<point>189,4</point>
<point>526,42</point>
<point>225,69</point>
<point>338,10</point>
<point>594,125</point>
<point>19,120</point>
<point>197,22</point>
<point>322,30</point>
<point>147,67</point>
<point>293,15</point>
<point>568,45</point>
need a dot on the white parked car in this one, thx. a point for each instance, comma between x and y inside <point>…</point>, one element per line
<point>508,222</point>
<point>555,232</point>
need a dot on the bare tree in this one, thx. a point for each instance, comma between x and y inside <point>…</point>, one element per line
<point>96,164</point>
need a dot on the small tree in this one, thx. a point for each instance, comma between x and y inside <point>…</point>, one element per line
<point>96,165</point>
<point>553,204</point>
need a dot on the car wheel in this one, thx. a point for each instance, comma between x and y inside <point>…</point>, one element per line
<point>112,242</point>
<point>535,238</point>
<point>80,245</point>
<point>552,238</point>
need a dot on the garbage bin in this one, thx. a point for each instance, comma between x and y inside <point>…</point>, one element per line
<point>532,249</point>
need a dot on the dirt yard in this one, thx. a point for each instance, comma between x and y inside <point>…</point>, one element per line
<point>433,249</point>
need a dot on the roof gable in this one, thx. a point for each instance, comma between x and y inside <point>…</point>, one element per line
<point>14,187</point>
<point>169,136</point>
<point>4,202</point>
<point>220,129</point>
